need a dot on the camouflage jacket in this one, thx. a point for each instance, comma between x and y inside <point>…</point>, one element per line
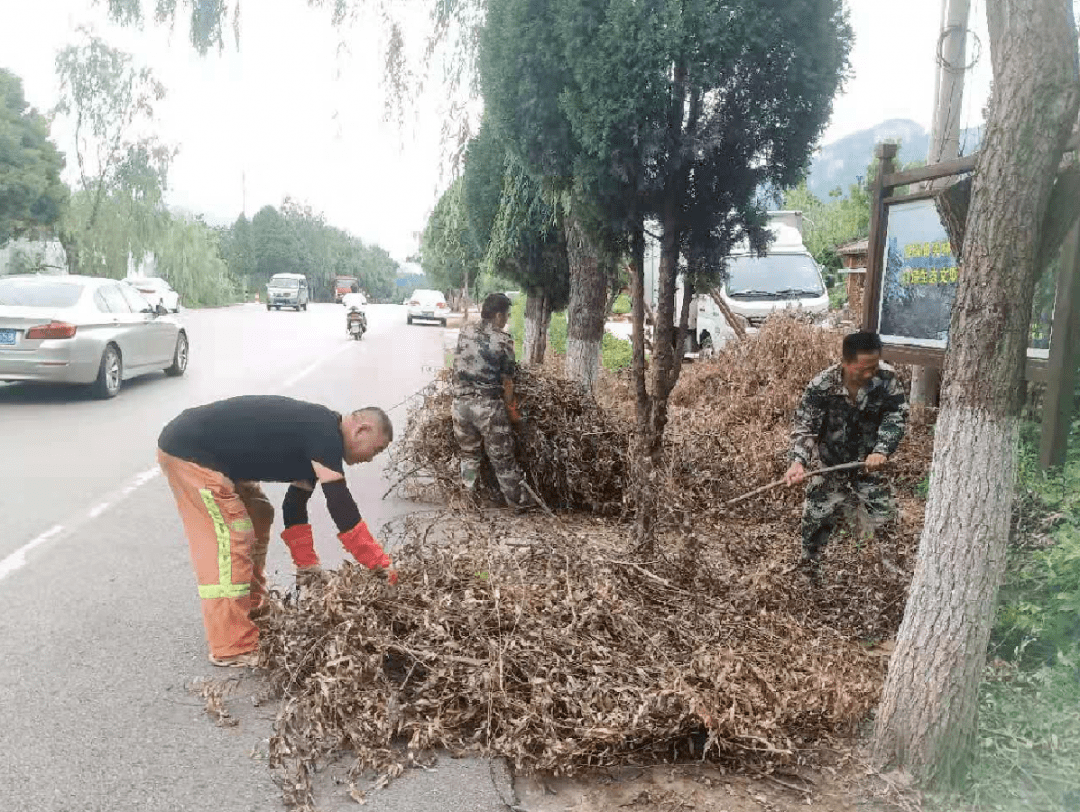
<point>843,431</point>
<point>483,358</point>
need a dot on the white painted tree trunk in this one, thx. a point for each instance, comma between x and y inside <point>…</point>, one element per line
<point>928,713</point>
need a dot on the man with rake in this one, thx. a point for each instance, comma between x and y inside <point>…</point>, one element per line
<point>853,411</point>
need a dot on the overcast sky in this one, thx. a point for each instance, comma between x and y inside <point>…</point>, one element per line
<point>293,113</point>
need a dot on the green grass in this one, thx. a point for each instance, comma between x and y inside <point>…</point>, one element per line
<point>1027,752</point>
<point>615,353</point>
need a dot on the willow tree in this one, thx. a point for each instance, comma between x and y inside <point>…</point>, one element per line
<point>517,229</point>
<point>928,716</point>
<point>122,170</point>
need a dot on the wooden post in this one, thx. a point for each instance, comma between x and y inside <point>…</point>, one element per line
<point>1064,337</point>
<point>875,249</point>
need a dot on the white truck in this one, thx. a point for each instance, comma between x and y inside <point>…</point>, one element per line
<point>787,276</point>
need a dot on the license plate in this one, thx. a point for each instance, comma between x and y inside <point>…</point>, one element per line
<point>7,337</point>
<point>428,313</point>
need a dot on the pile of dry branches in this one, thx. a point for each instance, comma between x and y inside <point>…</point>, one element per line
<point>549,642</point>
<point>572,452</point>
<point>552,647</point>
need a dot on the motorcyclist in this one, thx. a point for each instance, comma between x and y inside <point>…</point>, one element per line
<point>355,302</point>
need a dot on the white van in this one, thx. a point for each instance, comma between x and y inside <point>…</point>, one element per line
<point>787,276</point>
<point>287,290</point>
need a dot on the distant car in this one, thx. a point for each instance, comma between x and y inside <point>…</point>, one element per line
<point>81,329</point>
<point>287,290</point>
<point>158,291</point>
<point>429,305</point>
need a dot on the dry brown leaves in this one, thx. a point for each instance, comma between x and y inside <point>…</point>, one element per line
<point>547,642</point>
<point>554,648</point>
<point>573,452</point>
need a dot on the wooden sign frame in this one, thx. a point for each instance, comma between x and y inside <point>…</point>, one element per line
<point>1057,371</point>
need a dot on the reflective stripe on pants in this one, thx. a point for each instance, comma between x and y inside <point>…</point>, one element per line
<point>222,537</point>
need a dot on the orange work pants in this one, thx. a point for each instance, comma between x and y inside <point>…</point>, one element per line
<point>228,530</point>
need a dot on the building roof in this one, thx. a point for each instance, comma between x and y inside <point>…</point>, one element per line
<point>856,247</point>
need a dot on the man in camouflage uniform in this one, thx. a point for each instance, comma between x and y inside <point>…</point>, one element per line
<point>484,406</point>
<point>854,410</point>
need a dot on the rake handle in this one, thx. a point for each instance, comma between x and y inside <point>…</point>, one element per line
<point>847,466</point>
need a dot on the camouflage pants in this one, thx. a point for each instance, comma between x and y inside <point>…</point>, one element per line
<point>483,425</point>
<point>829,498</point>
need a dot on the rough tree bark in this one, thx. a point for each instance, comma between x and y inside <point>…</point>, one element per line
<point>537,319</point>
<point>927,718</point>
<point>588,295</point>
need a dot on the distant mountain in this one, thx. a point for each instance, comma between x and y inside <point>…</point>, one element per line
<point>845,161</point>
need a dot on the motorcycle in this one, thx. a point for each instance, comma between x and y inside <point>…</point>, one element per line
<point>356,323</point>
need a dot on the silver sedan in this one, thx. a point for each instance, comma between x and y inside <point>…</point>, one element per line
<point>81,329</point>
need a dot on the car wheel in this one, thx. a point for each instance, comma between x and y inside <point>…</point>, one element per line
<point>409,319</point>
<point>180,357</point>
<point>110,373</point>
<point>305,307</point>
<point>268,308</point>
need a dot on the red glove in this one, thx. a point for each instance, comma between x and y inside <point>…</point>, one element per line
<point>301,545</point>
<point>363,547</point>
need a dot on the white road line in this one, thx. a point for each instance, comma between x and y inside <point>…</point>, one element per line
<point>295,379</point>
<point>17,560</point>
<point>97,511</point>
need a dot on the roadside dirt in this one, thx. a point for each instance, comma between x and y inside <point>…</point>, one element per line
<point>704,789</point>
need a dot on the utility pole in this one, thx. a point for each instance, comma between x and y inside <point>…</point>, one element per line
<point>951,57</point>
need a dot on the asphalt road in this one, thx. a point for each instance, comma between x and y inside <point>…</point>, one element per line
<point>100,633</point>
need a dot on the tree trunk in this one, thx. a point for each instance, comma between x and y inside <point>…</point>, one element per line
<point>642,471</point>
<point>927,718</point>
<point>666,358</point>
<point>537,319</point>
<point>588,295</point>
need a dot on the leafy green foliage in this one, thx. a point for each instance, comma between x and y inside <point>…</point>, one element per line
<point>621,305</point>
<point>1027,753</point>
<point>187,255</point>
<point>1028,742</point>
<point>122,170</point>
<point>616,353</point>
<point>32,196</point>
<point>1039,602</point>
<point>827,225</point>
<point>297,239</point>
<point>449,254</point>
<point>208,19</point>
<point>111,104</point>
